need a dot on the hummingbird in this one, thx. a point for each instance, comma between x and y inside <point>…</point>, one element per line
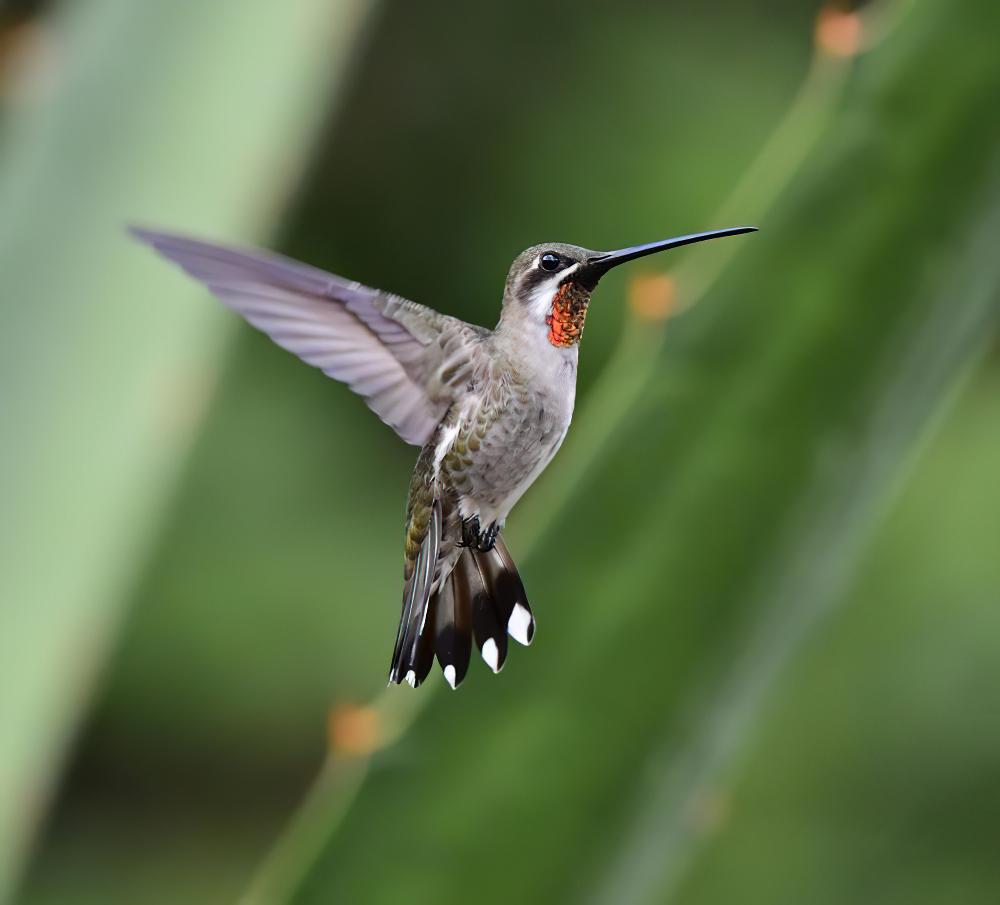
<point>488,409</point>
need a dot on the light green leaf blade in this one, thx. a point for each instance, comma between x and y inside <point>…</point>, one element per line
<point>188,114</point>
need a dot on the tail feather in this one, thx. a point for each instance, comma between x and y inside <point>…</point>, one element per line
<point>483,599</point>
<point>422,654</point>
<point>520,620</point>
<point>414,652</point>
<point>453,630</point>
<point>488,626</point>
<point>507,590</point>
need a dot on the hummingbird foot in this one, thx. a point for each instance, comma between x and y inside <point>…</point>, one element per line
<point>488,538</point>
<point>474,536</point>
<point>471,531</point>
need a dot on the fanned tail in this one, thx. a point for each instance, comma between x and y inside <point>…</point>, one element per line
<point>482,599</point>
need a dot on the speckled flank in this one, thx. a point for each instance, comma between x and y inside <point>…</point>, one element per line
<point>507,439</point>
<point>569,311</point>
<point>501,431</point>
<point>418,506</point>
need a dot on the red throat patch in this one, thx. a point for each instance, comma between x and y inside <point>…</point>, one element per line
<point>569,311</point>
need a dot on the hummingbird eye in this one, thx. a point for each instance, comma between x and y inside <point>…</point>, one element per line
<point>549,262</point>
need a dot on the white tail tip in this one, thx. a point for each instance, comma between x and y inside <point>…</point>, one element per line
<point>491,654</point>
<point>520,626</point>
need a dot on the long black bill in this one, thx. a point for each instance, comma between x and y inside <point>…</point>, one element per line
<point>599,264</point>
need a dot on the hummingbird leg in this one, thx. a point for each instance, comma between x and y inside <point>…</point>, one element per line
<point>488,538</point>
<point>471,532</point>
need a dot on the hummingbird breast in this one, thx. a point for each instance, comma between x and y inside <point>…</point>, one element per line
<point>501,434</point>
<point>511,406</point>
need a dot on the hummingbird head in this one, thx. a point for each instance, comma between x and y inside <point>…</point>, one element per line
<point>550,285</point>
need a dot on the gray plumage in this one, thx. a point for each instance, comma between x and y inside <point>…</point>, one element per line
<point>489,409</point>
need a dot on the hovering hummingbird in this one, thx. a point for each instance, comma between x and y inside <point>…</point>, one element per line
<point>488,408</point>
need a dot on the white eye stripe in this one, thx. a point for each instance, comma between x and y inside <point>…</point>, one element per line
<point>540,299</point>
<point>565,267</point>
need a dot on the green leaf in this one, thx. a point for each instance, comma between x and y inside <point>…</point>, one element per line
<point>192,115</point>
<point>722,520</point>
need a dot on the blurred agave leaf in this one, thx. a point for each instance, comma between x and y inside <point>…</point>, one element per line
<point>183,113</point>
<point>755,469</point>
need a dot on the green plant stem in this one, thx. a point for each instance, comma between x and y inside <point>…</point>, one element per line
<point>327,800</point>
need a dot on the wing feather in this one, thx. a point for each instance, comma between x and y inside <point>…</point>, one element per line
<point>340,327</point>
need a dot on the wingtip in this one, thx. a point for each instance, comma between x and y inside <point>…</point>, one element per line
<point>163,240</point>
<point>139,233</point>
<point>159,240</point>
<point>145,234</point>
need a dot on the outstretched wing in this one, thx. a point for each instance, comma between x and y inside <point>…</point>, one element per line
<point>379,344</point>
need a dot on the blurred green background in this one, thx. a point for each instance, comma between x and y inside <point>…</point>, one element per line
<point>765,565</point>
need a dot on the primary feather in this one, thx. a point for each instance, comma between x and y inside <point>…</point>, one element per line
<point>343,328</point>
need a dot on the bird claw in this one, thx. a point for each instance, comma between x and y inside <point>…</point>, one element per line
<point>474,536</point>
<point>470,532</point>
<point>488,538</point>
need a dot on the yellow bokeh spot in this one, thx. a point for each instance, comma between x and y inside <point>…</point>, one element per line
<point>652,297</point>
<point>838,32</point>
<point>353,729</point>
